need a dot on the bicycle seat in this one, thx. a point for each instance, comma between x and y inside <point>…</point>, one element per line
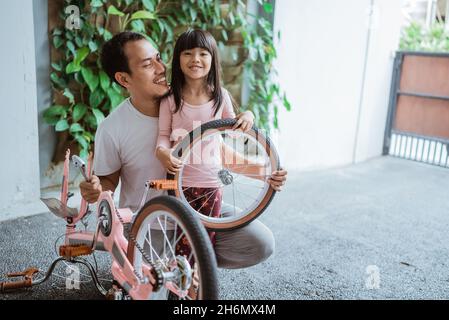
<point>59,209</point>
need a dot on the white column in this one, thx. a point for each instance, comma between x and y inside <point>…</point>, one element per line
<point>19,160</point>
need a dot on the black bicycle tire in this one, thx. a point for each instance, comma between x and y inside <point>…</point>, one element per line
<point>205,255</point>
<point>221,124</point>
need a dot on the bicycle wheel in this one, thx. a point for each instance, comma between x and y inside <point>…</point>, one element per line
<point>237,163</point>
<point>157,229</point>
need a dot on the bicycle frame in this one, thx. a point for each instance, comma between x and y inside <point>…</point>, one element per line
<point>79,243</point>
<point>115,243</point>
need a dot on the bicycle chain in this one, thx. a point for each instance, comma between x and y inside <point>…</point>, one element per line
<point>158,272</point>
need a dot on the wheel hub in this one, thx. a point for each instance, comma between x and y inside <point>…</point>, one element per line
<point>225,177</point>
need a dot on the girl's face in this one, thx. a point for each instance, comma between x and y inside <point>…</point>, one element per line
<point>195,63</point>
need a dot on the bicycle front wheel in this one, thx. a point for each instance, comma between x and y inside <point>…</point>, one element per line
<point>234,163</point>
<point>158,228</point>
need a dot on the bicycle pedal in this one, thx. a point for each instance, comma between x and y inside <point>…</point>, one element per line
<point>163,184</point>
<point>76,250</point>
<point>26,283</point>
<point>28,273</point>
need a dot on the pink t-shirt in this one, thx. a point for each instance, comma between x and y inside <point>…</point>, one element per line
<point>204,162</point>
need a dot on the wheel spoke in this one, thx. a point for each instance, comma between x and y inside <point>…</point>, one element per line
<point>204,195</point>
<point>249,185</point>
<point>206,200</point>
<point>165,237</point>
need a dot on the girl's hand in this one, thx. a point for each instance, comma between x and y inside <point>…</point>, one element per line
<point>245,121</point>
<point>170,163</point>
<point>278,179</point>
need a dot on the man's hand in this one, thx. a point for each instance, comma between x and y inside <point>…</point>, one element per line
<point>277,179</point>
<point>245,121</point>
<point>91,190</point>
<point>169,162</point>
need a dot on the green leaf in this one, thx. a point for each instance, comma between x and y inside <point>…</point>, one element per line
<point>148,4</point>
<point>62,125</point>
<point>114,11</point>
<point>59,81</point>
<point>115,98</point>
<point>93,46</point>
<point>96,3</point>
<point>107,35</point>
<point>91,121</point>
<point>90,78</point>
<point>96,98</point>
<point>142,14</point>
<point>82,141</point>
<point>138,26</point>
<point>98,115</point>
<point>76,127</point>
<point>79,41</point>
<point>88,136</point>
<point>71,47</point>
<point>117,87</point>
<point>224,34</point>
<point>192,13</point>
<point>268,7</point>
<point>231,18</point>
<point>79,111</point>
<point>57,32</point>
<point>57,42</point>
<point>72,67</point>
<point>100,30</point>
<point>67,93</point>
<point>286,103</point>
<point>56,66</point>
<point>105,82</point>
<point>84,153</point>
<point>55,110</point>
<point>81,54</point>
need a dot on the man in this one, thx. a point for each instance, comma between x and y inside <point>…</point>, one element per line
<point>125,146</point>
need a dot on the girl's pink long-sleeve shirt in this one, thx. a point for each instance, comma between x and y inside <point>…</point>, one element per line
<point>201,169</point>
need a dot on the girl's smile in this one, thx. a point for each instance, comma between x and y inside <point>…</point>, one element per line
<point>195,63</point>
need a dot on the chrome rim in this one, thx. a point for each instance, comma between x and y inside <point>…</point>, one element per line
<point>242,189</point>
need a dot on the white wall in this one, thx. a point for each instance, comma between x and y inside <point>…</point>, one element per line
<point>19,160</point>
<point>321,63</point>
<point>384,38</point>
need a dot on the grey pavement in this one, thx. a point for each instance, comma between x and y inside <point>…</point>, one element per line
<point>331,227</point>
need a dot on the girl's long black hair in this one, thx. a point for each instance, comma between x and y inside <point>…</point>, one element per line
<point>195,38</point>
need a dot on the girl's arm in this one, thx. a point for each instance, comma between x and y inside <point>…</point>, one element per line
<point>163,145</point>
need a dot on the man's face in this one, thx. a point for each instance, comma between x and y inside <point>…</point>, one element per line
<point>147,76</point>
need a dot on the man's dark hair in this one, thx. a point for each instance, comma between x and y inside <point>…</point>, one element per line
<point>113,58</point>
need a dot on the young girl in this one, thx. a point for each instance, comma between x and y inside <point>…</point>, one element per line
<point>196,97</point>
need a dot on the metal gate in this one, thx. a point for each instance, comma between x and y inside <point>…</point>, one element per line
<point>418,117</point>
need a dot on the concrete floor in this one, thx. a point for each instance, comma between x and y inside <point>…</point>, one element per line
<point>331,228</point>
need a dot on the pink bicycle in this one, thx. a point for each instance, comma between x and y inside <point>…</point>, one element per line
<point>144,263</point>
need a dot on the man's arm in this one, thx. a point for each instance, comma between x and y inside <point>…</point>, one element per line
<point>91,190</point>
